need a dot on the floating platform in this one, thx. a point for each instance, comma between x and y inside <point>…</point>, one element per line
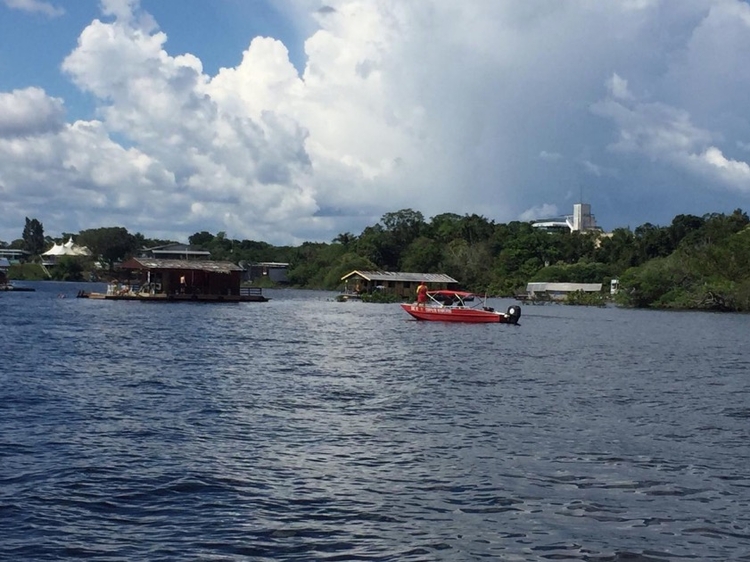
<point>247,294</point>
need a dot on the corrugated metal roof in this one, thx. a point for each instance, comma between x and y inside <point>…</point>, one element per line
<point>176,247</point>
<point>184,251</point>
<point>563,287</point>
<point>401,276</point>
<point>198,265</point>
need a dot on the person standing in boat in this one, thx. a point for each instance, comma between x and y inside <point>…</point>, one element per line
<point>422,294</point>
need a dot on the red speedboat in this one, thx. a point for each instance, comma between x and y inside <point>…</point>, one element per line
<point>450,306</point>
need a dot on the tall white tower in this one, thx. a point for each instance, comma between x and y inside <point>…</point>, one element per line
<point>582,217</point>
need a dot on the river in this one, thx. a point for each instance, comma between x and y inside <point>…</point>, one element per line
<point>307,429</point>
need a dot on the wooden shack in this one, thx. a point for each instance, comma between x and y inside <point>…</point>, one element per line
<point>167,280</point>
<point>402,284</point>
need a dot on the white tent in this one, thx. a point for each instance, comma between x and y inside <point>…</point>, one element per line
<point>70,248</point>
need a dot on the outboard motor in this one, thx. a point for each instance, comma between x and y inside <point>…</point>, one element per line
<point>514,313</point>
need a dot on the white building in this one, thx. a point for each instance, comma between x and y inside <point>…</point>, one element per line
<point>559,291</point>
<point>582,218</point>
<point>580,221</point>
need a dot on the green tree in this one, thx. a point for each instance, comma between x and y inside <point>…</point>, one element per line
<point>33,236</point>
<point>683,226</point>
<point>422,256</point>
<point>445,227</point>
<point>475,228</point>
<point>346,239</point>
<point>406,224</point>
<point>401,229</point>
<point>468,263</point>
<point>618,250</point>
<point>111,244</point>
<point>378,246</point>
<point>68,268</point>
<point>311,262</point>
<point>718,227</point>
<point>202,239</point>
<point>652,242</point>
<point>702,275</point>
<point>344,264</point>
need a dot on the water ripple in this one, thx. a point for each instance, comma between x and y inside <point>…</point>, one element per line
<point>304,429</point>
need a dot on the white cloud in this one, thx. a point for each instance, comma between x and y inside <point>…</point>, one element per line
<point>713,163</point>
<point>237,165</point>
<point>618,88</point>
<point>123,10</point>
<point>593,169</point>
<point>550,156</point>
<point>35,6</point>
<point>540,212</point>
<point>437,106</point>
<point>666,134</point>
<point>29,112</point>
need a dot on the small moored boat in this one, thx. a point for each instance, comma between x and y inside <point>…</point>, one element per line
<point>450,306</point>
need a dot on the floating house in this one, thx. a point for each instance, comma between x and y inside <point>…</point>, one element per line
<point>272,270</point>
<point>171,280</point>
<point>5,284</point>
<point>402,284</point>
<point>556,292</point>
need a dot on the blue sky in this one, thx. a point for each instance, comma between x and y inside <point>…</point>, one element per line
<point>294,120</point>
<point>33,42</point>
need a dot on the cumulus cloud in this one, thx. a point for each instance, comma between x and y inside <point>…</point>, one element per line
<point>550,156</point>
<point>29,112</point>
<point>544,211</point>
<point>239,164</point>
<point>618,88</point>
<point>712,163</point>
<point>437,106</point>
<point>666,134</point>
<point>36,6</point>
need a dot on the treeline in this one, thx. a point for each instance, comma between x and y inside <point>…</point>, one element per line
<point>695,262</point>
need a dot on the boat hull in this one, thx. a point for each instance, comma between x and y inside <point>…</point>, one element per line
<point>457,314</point>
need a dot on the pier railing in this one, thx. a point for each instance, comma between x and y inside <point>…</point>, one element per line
<point>251,292</point>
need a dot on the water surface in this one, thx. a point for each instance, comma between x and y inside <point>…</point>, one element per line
<point>306,429</point>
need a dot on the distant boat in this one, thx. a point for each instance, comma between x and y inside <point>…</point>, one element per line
<point>11,287</point>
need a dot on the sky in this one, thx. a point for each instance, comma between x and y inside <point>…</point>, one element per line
<point>288,121</point>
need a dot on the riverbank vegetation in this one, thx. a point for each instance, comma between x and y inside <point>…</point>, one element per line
<point>694,263</point>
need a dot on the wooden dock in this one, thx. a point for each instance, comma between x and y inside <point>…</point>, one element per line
<point>246,294</point>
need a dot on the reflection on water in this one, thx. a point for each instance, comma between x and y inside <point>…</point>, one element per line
<point>306,429</point>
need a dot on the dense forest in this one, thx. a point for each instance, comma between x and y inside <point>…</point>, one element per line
<point>694,263</point>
